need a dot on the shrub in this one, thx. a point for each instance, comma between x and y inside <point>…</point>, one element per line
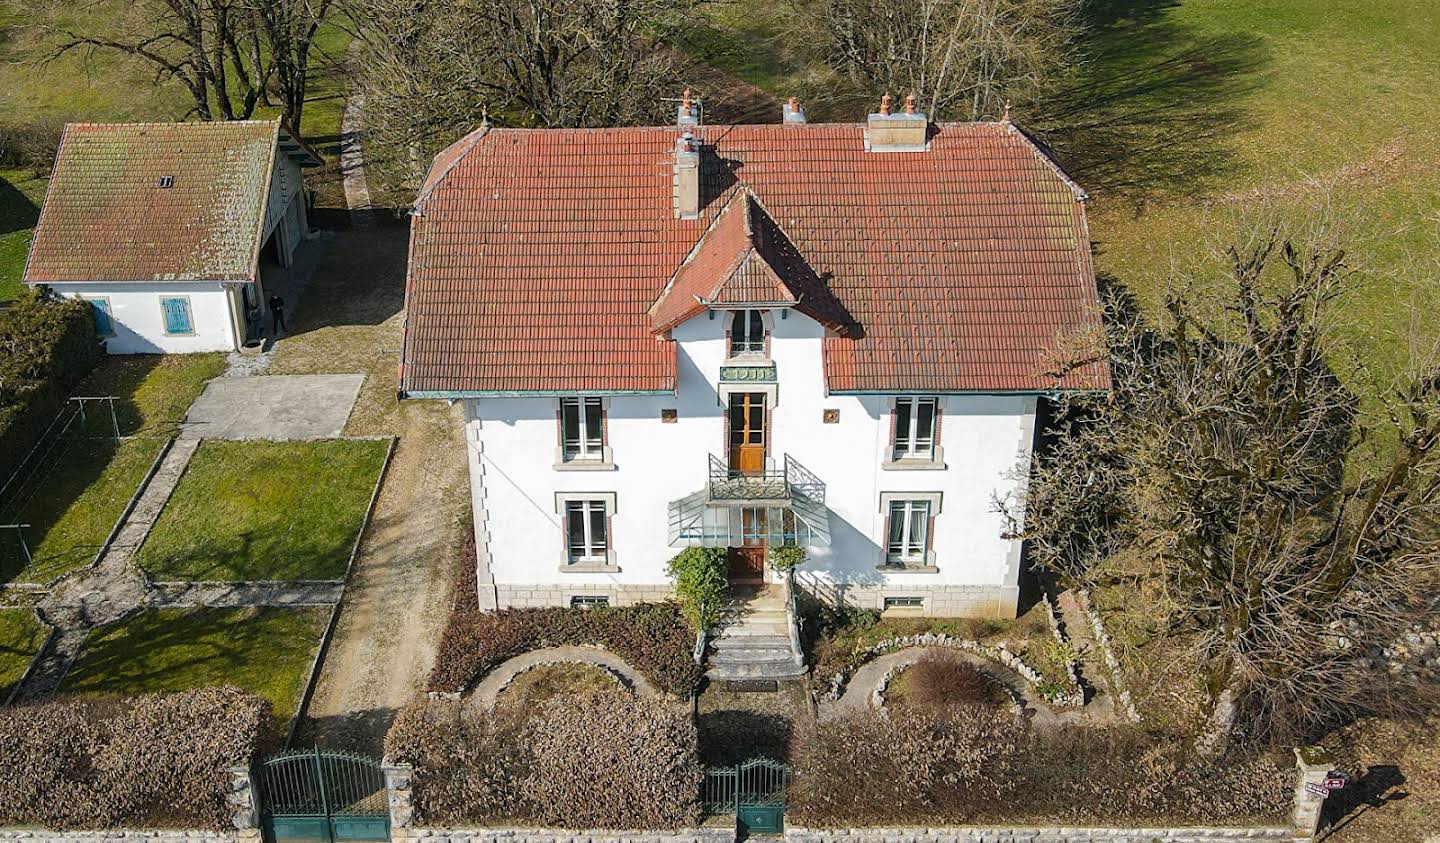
<point>787,557</point>
<point>700,583</point>
<point>981,765</point>
<point>30,145</point>
<point>47,346</point>
<point>940,679</point>
<point>157,760</point>
<point>652,637</point>
<point>605,760</point>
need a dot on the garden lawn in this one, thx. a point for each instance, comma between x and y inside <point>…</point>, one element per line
<point>265,511</point>
<point>21,636</point>
<point>267,652</point>
<point>73,502</point>
<point>21,195</point>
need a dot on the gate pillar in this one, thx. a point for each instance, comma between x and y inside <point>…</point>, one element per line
<point>241,799</point>
<point>398,794</point>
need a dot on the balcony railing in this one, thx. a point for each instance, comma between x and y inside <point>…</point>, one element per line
<point>775,484</point>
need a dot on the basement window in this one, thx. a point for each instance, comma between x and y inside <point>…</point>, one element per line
<point>904,603</point>
<point>167,181</point>
<point>588,601</point>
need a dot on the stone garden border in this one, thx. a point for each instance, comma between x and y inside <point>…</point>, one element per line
<point>998,653</point>
<point>1107,653</point>
<point>877,696</point>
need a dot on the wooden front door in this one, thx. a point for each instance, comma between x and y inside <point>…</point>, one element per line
<point>747,563</point>
<point>747,432</point>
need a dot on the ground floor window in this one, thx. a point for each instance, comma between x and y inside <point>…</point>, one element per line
<point>100,309</point>
<point>176,310</point>
<point>587,531</point>
<point>909,531</point>
<point>904,603</point>
<point>588,601</point>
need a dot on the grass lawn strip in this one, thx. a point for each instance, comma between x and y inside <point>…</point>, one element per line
<point>255,510</point>
<point>267,652</point>
<point>84,486</point>
<point>21,637</point>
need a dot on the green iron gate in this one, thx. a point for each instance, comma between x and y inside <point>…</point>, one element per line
<point>753,791</point>
<point>314,794</point>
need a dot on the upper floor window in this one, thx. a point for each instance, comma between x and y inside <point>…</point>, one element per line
<point>582,429</point>
<point>915,429</point>
<point>747,334</point>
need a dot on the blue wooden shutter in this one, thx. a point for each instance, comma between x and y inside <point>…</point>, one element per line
<point>101,309</point>
<point>177,316</point>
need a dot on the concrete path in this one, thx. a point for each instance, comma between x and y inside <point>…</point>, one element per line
<point>239,594</point>
<point>488,691</point>
<point>352,162</point>
<point>273,407</point>
<point>863,684</point>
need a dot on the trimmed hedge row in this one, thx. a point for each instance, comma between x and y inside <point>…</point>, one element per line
<point>979,765</point>
<point>47,346</point>
<point>605,760</point>
<point>152,761</point>
<point>654,637</point>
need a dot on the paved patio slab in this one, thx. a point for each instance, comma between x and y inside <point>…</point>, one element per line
<point>273,407</point>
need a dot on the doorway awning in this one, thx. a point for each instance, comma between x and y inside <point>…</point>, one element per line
<point>699,521</point>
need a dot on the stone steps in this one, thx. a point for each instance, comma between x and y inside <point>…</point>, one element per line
<point>752,640</point>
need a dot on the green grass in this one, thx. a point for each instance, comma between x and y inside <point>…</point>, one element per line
<point>21,636</point>
<point>21,195</point>
<point>81,491</point>
<point>267,652</point>
<point>265,511</point>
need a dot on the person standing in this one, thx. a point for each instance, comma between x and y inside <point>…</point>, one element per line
<point>277,314</point>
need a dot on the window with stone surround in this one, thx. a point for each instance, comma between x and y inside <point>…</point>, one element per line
<point>915,431</point>
<point>582,434</point>
<point>586,523</point>
<point>909,529</point>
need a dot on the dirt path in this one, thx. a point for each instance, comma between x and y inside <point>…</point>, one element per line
<point>395,603</point>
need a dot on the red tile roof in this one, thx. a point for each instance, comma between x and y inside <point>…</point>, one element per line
<point>107,218</point>
<point>536,257</point>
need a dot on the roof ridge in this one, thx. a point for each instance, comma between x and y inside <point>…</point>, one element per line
<point>124,124</point>
<point>433,180</point>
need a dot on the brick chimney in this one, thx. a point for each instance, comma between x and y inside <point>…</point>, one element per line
<point>791,113</point>
<point>686,178</point>
<point>904,132</point>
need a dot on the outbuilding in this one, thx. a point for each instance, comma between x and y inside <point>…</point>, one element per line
<point>169,229</point>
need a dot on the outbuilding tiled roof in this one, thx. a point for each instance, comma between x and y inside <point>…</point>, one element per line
<point>537,255</point>
<point>108,216</point>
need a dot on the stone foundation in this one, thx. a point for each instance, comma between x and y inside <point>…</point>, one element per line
<point>559,594</point>
<point>939,601</point>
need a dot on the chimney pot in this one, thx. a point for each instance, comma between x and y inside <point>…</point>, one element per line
<point>905,132</point>
<point>909,103</point>
<point>885,105</point>
<point>791,112</point>
<point>685,113</point>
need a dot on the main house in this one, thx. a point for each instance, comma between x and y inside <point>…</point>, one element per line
<point>740,336</point>
<point>165,228</point>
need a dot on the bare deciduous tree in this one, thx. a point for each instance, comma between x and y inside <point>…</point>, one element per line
<point>1292,540</point>
<point>432,70</point>
<point>963,59</point>
<point>224,52</point>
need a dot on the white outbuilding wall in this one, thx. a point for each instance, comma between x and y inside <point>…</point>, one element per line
<point>512,450</point>
<point>139,325</point>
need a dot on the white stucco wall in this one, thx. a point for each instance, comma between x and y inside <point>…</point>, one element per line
<point>139,324</point>
<point>512,448</point>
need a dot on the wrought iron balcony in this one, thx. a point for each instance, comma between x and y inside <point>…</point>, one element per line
<point>773,484</point>
<point>737,509</point>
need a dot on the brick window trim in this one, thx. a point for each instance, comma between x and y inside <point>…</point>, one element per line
<point>936,460</point>
<point>606,462</point>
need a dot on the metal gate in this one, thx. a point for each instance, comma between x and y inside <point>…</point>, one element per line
<point>753,791</point>
<point>314,794</point>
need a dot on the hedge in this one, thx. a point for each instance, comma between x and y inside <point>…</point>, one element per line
<point>652,637</point>
<point>152,761</point>
<point>978,765</point>
<point>609,760</point>
<point>47,346</point>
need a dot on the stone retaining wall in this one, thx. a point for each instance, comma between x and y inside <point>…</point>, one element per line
<point>1001,834</point>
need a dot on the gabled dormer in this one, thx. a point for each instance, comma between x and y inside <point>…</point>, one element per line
<point>746,264</point>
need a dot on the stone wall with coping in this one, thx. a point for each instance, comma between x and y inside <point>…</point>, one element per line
<point>1008,834</point>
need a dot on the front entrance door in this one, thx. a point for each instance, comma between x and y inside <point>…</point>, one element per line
<point>747,432</point>
<point>747,563</point>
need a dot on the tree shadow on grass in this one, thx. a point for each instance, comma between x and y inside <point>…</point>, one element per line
<point>17,212</point>
<point>1151,112</point>
<point>731,736</point>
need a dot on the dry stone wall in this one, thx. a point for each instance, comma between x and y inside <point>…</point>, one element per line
<point>993,834</point>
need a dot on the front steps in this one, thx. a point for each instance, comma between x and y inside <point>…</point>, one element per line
<point>752,640</point>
